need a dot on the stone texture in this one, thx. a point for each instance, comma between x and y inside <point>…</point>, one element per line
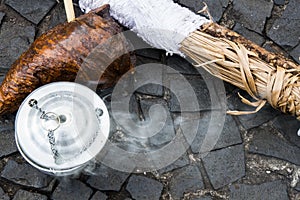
<point>225,166</point>
<point>250,35</point>
<point>33,10</point>
<point>144,188</point>
<point>2,14</point>
<point>167,132</point>
<point>150,53</point>
<point>229,135</point>
<point>252,14</point>
<point>185,180</point>
<point>279,2</point>
<point>99,196</point>
<point>106,178</point>
<point>72,190</point>
<point>7,143</point>
<point>253,120</point>
<point>193,98</point>
<point>202,198</point>
<point>295,53</point>
<point>181,65</point>
<point>216,8</point>
<point>287,25</point>
<point>25,174</point>
<point>288,127</point>
<point>179,163</point>
<point>143,81</point>
<point>267,142</point>
<point>13,45</point>
<point>25,195</point>
<point>3,195</point>
<point>265,191</point>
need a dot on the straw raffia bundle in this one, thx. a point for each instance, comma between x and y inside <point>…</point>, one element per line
<point>266,76</point>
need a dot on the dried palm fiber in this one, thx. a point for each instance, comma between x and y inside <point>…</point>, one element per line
<point>266,76</point>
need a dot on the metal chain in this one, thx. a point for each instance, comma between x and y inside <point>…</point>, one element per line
<point>57,157</point>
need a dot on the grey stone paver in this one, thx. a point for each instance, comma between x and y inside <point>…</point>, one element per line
<point>166,133</point>
<point>225,166</point>
<point>202,198</point>
<point>296,54</point>
<point>72,190</point>
<point>144,188</point>
<point>179,163</point>
<point>229,136</point>
<point>250,35</point>
<point>13,45</point>
<point>252,14</point>
<point>216,8</point>
<point>288,127</point>
<point>266,114</point>
<point>7,143</point>
<point>185,180</point>
<point>99,196</point>
<point>3,195</point>
<point>33,10</point>
<point>2,14</point>
<point>288,23</point>
<point>25,195</point>
<point>25,174</point>
<point>107,179</point>
<point>279,2</point>
<point>190,92</point>
<point>267,142</point>
<point>266,191</point>
<point>150,76</point>
<point>180,65</point>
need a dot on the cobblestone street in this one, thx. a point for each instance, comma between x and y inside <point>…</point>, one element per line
<point>257,156</point>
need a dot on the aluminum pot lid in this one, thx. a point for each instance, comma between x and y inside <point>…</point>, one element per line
<point>61,126</point>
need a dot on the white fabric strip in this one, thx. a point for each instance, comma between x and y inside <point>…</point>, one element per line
<point>161,23</point>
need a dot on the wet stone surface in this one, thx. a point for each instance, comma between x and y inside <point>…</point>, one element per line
<point>141,187</point>
<point>266,191</point>
<point>25,174</point>
<point>72,189</point>
<point>25,195</point>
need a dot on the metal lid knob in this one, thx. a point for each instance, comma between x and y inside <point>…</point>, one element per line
<point>61,126</point>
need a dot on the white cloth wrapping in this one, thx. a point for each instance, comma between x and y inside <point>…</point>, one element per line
<point>161,23</point>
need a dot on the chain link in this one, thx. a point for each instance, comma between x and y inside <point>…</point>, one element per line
<point>57,157</point>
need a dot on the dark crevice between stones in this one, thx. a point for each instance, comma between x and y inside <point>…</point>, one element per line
<point>225,20</point>
<point>205,178</point>
<point>12,188</point>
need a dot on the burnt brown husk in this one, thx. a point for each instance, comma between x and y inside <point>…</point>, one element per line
<point>59,54</point>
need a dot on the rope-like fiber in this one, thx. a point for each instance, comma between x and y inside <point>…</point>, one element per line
<point>243,67</point>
